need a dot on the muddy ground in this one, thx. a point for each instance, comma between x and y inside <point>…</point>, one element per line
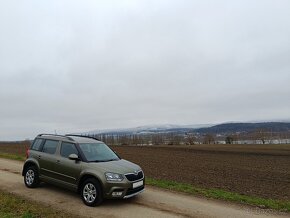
<point>258,170</point>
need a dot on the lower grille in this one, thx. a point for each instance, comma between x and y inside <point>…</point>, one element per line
<point>131,191</point>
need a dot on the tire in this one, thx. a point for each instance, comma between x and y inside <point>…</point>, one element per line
<point>31,177</point>
<point>91,192</point>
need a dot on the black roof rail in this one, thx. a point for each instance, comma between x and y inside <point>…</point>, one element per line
<point>56,135</point>
<point>84,136</point>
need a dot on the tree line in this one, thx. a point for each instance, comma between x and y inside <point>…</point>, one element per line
<point>259,136</point>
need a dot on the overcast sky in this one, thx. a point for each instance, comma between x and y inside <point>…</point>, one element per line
<point>75,66</point>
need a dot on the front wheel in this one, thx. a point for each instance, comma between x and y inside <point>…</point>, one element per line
<point>91,193</point>
<point>31,178</point>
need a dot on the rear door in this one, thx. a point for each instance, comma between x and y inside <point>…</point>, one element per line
<point>47,158</point>
<point>35,149</point>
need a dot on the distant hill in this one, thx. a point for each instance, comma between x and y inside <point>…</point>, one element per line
<point>226,128</point>
<point>150,129</point>
<point>229,128</point>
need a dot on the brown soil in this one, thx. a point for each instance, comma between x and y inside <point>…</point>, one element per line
<point>257,170</point>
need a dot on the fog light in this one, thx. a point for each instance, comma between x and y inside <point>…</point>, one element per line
<point>117,194</point>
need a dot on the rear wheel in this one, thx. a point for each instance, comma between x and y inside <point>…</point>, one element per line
<point>31,178</point>
<point>91,192</point>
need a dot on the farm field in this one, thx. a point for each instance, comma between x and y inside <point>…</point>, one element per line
<point>18,148</point>
<point>256,170</point>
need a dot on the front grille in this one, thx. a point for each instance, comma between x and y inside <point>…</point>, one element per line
<point>131,191</point>
<point>134,177</point>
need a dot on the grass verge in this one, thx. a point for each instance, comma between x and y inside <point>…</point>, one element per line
<point>220,194</point>
<point>14,206</point>
<point>12,156</point>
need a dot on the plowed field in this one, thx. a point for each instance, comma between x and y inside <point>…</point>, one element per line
<point>257,170</point>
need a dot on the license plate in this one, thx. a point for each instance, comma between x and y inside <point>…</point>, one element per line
<point>137,184</point>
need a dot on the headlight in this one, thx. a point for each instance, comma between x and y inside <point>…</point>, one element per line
<point>114,177</point>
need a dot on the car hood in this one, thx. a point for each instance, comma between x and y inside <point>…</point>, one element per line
<point>118,166</point>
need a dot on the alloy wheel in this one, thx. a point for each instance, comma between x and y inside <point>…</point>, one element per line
<point>89,193</point>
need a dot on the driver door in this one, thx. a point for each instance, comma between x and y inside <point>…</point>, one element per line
<point>68,170</point>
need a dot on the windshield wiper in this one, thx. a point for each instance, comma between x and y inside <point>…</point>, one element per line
<point>111,159</point>
<point>97,161</point>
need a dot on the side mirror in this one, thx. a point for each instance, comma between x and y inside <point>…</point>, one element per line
<point>73,157</point>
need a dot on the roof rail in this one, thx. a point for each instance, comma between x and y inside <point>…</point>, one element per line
<point>91,137</point>
<point>55,135</point>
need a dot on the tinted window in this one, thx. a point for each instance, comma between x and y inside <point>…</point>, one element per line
<point>67,149</point>
<point>50,146</point>
<point>36,144</point>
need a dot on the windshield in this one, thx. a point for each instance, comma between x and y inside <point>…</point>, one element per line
<point>98,152</point>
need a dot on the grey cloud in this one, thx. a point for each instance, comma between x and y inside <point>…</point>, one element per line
<point>74,66</point>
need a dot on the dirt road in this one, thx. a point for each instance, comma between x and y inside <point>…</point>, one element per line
<point>152,203</point>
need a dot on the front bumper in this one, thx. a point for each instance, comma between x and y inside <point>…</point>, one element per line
<point>134,194</point>
<point>123,190</point>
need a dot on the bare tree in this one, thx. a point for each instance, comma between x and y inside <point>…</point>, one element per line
<point>261,135</point>
<point>208,139</point>
<point>229,139</point>
<point>190,139</point>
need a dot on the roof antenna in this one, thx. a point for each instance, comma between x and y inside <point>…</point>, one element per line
<point>55,132</point>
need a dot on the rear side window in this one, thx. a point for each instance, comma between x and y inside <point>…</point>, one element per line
<point>36,144</point>
<point>50,146</point>
<point>67,149</point>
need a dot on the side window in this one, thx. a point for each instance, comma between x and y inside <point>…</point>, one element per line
<point>36,144</point>
<point>50,146</point>
<point>67,149</point>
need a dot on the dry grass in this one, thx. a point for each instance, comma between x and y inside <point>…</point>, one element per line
<point>15,206</point>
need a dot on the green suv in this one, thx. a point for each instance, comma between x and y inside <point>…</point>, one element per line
<point>83,164</point>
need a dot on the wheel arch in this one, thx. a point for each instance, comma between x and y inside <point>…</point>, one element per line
<point>29,163</point>
<point>86,176</point>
